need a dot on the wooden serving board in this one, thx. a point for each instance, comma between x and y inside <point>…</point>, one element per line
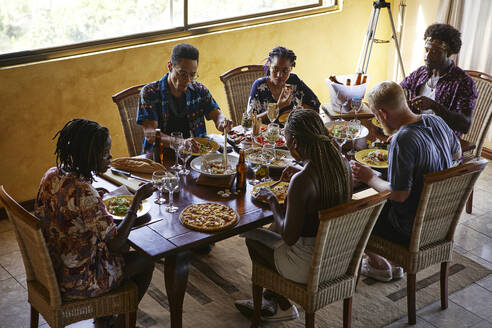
<point>364,113</point>
<point>130,183</point>
<point>220,182</point>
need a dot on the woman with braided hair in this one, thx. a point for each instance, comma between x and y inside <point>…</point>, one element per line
<point>89,252</point>
<point>280,86</point>
<point>323,182</point>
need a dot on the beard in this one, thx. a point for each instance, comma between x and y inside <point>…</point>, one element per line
<point>387,130</point>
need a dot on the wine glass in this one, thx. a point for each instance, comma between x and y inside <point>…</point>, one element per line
<point>268,155</point>
<point>339,133</point>
<point>356,106</point>
<point>176,140</point>
<point>353,131</point>
<point>273,133</point>
<point>255,162</point>
<point>184,151</point>
<point>158,181</point>
<point>272,112</point>
<point>171,184</point>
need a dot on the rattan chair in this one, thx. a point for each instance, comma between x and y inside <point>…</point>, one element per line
<point>237,84</point>
<point>42,286</point>
<point>342,237</point>
<point>127,102</point>
<point>443,197</point>
<point>482,117</point>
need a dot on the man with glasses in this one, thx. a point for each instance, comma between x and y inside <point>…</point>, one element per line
<point>177,102</point>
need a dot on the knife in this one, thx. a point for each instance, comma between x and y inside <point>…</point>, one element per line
<point>128,174</point>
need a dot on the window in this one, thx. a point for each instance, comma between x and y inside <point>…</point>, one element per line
<point>33,30</point>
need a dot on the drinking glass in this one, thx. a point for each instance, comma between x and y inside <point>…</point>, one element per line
<point>158,182</point>
<point>171,184</point>
<point>353,132</point>
<point>246,122</point>
<point>176,140</point>
<point>273,133</point>
<point>184,151</point>
<point>341,136</point>
<point>268,155</point>
<point>272,112</point>
<point>356,106</point>
<point>255,166</point>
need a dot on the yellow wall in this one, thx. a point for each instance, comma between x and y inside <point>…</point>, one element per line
<point>38,99</point>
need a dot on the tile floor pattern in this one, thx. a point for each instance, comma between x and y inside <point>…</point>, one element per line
<point>470,307</point>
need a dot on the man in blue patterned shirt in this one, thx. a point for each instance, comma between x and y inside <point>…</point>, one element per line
<point>177,103</point>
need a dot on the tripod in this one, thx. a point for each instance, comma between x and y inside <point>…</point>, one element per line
<point>369,38</point>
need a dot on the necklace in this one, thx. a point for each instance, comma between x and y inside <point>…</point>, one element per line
<point>432,82</point>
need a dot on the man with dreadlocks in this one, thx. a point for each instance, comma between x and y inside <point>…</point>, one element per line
<point>280,86</point>
<point>440,87</point>
<point>89,252</point>
<point>323,182</point>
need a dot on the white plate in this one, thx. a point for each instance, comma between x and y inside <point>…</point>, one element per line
<point>197,164</point>
<point>285,157</point>
<point>144,209</point>
<point>363,133</point>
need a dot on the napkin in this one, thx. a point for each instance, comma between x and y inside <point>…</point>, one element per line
<point>120,191</point>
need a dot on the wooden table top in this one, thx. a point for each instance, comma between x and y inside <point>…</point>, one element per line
<point>168,236</point>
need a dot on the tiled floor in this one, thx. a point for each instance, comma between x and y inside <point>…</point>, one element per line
<point>470,307</point>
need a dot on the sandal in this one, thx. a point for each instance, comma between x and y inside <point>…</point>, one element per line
<point>246,307</point>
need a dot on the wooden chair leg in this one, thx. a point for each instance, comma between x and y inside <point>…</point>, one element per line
<point>131,319</point>
<point>309,320</point>
<point>411,291</point>
<point>469,203</point>
<point>257,300</point>
<point>444,284</point>
<point>34,317</point>
<point>347,312</point>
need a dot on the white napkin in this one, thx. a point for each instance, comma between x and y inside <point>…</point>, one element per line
<point>120,191</point>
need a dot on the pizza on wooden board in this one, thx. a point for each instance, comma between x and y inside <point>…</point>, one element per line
<point>208,217</point>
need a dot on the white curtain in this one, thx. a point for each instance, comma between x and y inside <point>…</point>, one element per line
<point>474,19</point>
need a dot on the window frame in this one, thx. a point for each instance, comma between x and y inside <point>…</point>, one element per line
<point>187,30</point>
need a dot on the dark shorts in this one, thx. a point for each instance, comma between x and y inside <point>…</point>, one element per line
<point>384,228</point>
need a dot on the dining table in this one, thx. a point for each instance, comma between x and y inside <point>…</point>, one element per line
<point>165,237</point>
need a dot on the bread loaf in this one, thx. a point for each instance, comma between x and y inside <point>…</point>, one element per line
<point>141,165</point>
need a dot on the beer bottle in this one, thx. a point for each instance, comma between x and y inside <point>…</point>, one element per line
<point>364,79</point>
<point>157,147</point>
<point>334,79</point>
<point>359,78</point>
<point>241,172</point>
<point>348,82</point>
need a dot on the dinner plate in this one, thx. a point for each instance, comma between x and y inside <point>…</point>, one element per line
<point>208,146</point>
<point>363,132</point>
<point>283,158</point>
<point>359,156</point>
<point>261,140</point>
<point>144,207</point>
<point>376,122</point>
<point>257,187</point>
<point>199,164</point>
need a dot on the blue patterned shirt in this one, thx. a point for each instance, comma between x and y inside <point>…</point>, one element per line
<point>154,106</point>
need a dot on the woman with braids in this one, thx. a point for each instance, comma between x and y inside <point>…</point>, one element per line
<point>323,182</point>
<point>440,87</point>
<point>280,86</point>
<point>89,252</point>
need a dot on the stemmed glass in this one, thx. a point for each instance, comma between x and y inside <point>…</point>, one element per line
<point>184,151</point>
<point>176,140</point>
<point>353,131</point>
<point>272,112</point>
<point>171,184</point>
<point>158,181</point>
<point>356,106</point>
<point>255,166</point>
<point>268,155</point>
<point>340,134</point>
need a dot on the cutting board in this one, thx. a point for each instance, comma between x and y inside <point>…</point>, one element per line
<point>130,183</point>
<point>364,113</point>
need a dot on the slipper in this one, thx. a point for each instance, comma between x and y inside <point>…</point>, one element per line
<point>246,307</point>
<point>282,315</point>
<point>397,272</point>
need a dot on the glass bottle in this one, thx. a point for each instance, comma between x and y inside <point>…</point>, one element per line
<point>157,147</point>
<point>241,172</point>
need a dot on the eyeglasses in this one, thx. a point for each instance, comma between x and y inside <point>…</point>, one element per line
<point>276,70</point>
<point>185,75</point>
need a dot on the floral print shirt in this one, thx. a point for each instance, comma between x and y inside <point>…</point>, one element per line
<point>154,106</point>
<point>260,93</point>
<point>77,227</point>
<point>455,90</point>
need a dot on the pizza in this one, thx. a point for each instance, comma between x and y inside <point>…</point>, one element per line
<point>208,217</point>
<point>280,190</point>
